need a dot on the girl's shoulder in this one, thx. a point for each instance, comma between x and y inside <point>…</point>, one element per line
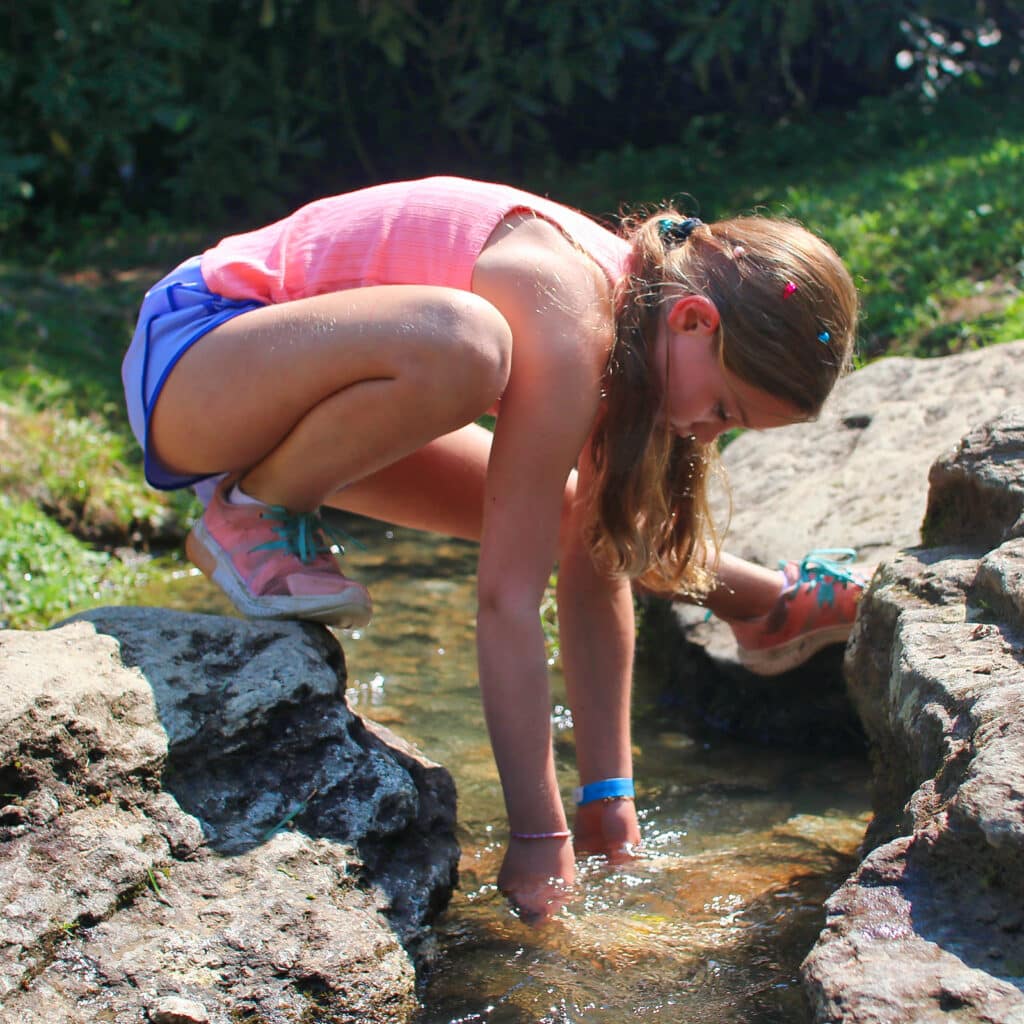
<point>525,245</point>
<point>546,285</point>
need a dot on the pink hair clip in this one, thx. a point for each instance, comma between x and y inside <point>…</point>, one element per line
<point>788,289</point>
<point>738,251</point>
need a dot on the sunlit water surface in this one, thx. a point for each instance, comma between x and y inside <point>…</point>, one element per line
<point>742,845</point>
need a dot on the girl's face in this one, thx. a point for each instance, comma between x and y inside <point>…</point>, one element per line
<point>703,399</point>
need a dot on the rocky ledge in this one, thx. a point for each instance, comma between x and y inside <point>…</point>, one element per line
<point>196,828</point>
<point>931,927</point>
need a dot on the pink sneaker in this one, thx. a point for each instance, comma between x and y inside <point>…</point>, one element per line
<point>816,609</point>
<point>274,564</point>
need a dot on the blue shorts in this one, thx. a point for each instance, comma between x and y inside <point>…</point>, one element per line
<point>176,312</point>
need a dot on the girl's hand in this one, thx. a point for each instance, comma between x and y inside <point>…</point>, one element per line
<point>608,827</point>
<point>537,875</point>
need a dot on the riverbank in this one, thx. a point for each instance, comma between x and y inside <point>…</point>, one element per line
<point>933,671</point>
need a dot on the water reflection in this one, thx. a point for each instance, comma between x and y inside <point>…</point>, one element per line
<point>742,845</point>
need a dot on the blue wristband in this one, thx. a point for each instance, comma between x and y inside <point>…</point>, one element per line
<point>606,789</point>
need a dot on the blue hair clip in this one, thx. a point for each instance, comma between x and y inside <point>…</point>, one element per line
<point>824,337</point>
<point>675,232</point>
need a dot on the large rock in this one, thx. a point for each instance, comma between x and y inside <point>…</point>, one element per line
<point>932,925</point>
<point>197,828</point>
<point>857,477</point>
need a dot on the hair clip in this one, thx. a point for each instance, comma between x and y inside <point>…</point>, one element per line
<point>738,251</point>
<point>824,337</point>
<point>675,232</point>
<point>788,290</point>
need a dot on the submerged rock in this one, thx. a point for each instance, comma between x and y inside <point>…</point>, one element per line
<point>196,827</point>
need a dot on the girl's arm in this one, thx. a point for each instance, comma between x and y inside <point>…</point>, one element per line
<point>597,631</point>
<point>553,302</point>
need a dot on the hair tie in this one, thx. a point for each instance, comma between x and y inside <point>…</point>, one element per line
<point>675,232</point>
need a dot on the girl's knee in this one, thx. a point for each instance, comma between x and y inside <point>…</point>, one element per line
<point>472,357</point>
<point>484,340</point>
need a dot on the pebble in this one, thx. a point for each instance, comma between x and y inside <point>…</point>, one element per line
<point>175,1010</point>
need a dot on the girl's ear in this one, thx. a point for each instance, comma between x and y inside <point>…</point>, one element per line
<point>692,313</point>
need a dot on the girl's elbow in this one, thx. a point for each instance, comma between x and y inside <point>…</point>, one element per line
<point>506,604</point>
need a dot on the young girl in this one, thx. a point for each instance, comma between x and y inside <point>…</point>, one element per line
<point>341,356</point>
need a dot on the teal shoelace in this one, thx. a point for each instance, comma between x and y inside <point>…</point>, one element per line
<point>823,569</point>
<point>302,534</point>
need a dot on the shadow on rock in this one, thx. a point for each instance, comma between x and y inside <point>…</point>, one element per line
<point>693,664</point>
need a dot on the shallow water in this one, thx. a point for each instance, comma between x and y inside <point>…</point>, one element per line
<point>742,844</point>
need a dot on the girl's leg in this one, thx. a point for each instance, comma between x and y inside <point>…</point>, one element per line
<point>780,618</point>
<point>439,488</point>
<point>744,590</point>
<point>300,399</point>
<point>305,397</point>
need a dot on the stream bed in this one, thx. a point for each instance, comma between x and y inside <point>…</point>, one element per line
<point>741,844</point>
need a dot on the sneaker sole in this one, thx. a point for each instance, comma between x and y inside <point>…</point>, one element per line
<point>774,661</point>
<point>345,611</point>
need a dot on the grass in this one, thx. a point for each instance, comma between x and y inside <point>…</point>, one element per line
<point>74,498</point>
<point>47,572</point>
<point>938,243</point>
<point>927,210</point>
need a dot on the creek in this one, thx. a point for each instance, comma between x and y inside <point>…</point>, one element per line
<point>742,844</point>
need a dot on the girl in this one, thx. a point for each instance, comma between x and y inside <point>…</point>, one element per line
<point>341,356</point>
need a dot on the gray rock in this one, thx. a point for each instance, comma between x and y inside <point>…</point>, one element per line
<point>858,476</point>
<point>932,925</point>
<point>172,1010</point>
<point>197,828</point>
<point>975,494</point>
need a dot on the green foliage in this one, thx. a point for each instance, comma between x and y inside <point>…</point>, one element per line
<point>549,620</point>
<point>242,108</point>
<point>64,442</point>
<point>83,84</point>
<point>782,47</point>
<point>927,265</point>
<point>62,337</point>
<point>47,572</point>
<point>105,99</point>
<point>927,207</point>
<point>86,474</point>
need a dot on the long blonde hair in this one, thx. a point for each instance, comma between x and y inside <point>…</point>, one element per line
<point>788,310</point>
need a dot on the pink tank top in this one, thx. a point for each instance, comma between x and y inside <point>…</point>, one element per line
<point>408,232</point>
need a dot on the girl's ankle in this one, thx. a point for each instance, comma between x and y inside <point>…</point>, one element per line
<point>762,614</point>
<point>238,496</point>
